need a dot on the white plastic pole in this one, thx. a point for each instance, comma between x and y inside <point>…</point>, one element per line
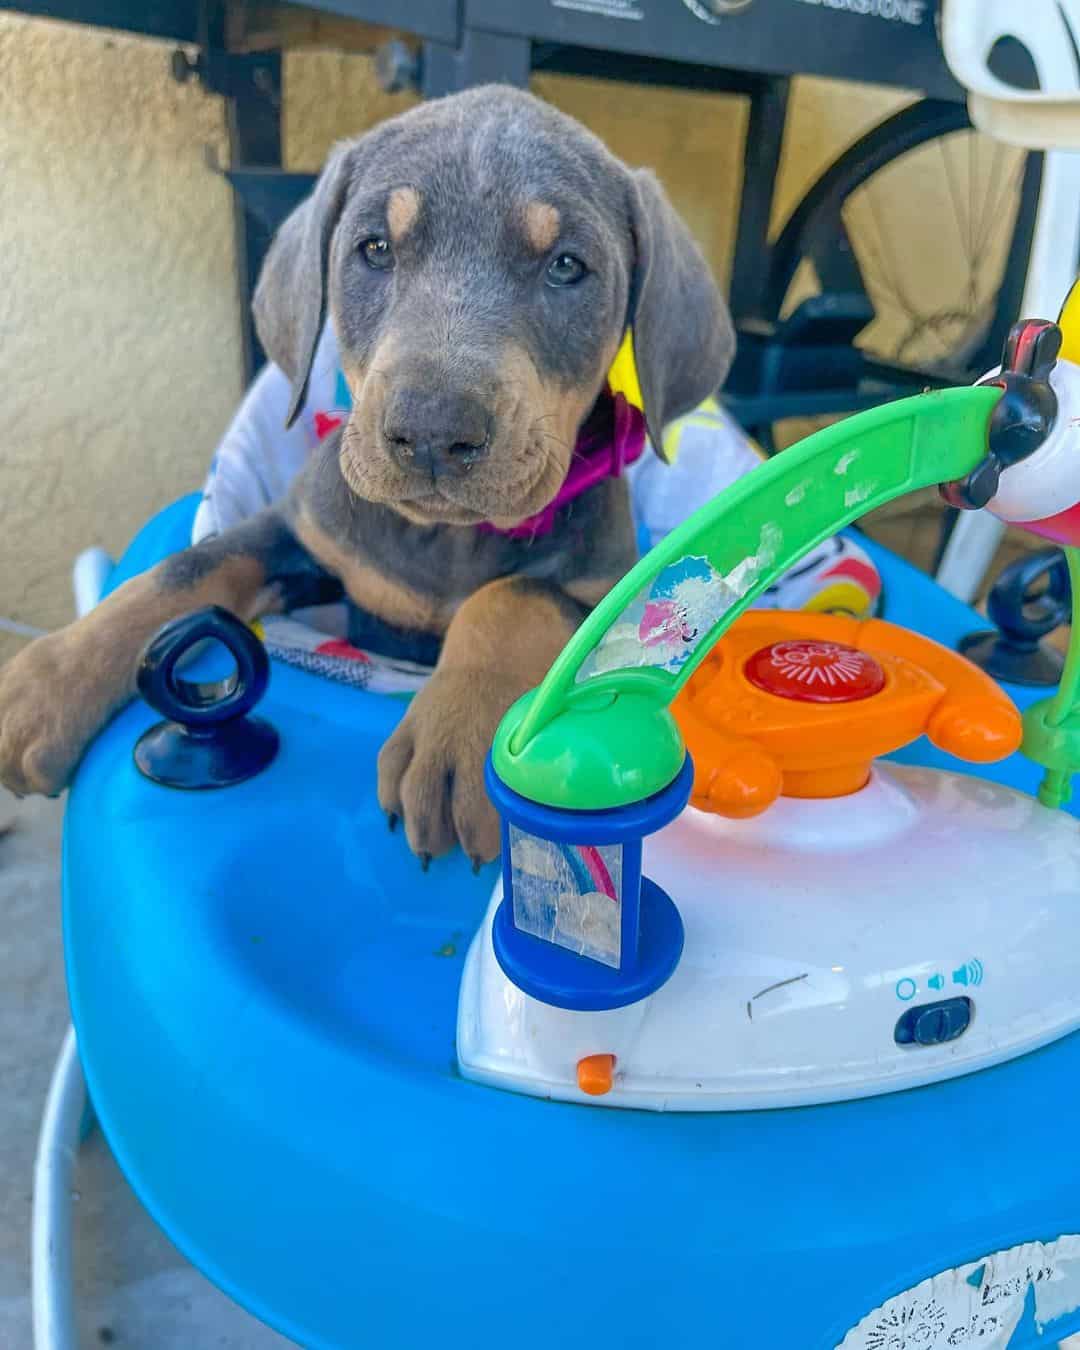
<point>53,1289</point>
<point>89,577</point>
<point>969,554</point>
<point>51,1231</point>
<point>1055,255</point>
<point>969,30</point>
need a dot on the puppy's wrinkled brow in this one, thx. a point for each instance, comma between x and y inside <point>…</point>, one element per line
<point>402,208</point>
<point>541,225</point>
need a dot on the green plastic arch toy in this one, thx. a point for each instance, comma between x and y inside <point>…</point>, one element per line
<point>599,733</point>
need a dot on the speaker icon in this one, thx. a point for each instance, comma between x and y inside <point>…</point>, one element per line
<point>936,981</point>
<point>971,972</point>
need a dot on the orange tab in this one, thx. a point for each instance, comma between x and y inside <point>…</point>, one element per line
<point>595,1074</point>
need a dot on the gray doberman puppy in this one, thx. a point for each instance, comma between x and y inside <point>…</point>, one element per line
<point>481,257</point>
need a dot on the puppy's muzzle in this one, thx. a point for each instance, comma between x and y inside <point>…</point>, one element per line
<point>434,433</point>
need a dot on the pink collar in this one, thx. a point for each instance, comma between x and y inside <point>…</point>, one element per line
<point>612,438</point>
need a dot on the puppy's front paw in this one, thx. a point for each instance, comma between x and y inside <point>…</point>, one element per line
<point>51,704</point>
<point>431,770</point>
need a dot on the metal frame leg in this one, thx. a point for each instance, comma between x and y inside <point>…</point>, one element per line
<point>250,85</point>
<point>254,124</point>
<point>761,162</point>
<point>62,1128</point>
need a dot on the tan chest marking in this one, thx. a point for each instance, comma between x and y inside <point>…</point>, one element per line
<point>367,587</point>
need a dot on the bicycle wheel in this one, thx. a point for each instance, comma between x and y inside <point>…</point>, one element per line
<point>917,237</point>
<point>849,230</point>
<point>920,235</point>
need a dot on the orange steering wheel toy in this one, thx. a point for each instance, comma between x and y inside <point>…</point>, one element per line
<point>800,705</point>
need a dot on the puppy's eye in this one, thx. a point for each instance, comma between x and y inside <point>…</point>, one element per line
<point>565,270</point>
<point>377,253</point>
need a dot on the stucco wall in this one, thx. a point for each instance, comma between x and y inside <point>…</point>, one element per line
<point>119,347</point>
<point>118,354</point>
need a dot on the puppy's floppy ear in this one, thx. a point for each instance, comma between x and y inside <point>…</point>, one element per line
<point>683,335</point>
<point>290,298</point>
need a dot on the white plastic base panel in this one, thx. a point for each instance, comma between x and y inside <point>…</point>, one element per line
<point>815,934</point>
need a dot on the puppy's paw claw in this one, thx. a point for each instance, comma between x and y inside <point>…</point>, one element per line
<point>431,770</point>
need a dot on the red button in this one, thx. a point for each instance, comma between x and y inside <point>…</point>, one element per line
<point>815,672</point>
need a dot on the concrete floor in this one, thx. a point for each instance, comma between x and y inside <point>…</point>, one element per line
<point>135,1290</point>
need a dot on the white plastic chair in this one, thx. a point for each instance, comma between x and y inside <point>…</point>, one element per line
<point>1046,119</point>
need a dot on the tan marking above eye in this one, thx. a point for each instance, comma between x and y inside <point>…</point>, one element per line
<point>402,208</point>
<point>542,225</point>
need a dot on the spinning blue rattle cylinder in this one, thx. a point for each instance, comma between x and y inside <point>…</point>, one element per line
<point>573,888</point>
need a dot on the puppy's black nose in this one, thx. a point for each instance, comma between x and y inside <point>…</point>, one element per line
<point>435,431</point>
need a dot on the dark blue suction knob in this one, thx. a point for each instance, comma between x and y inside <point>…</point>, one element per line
<point>1030,599</point>
<point>207,740</point>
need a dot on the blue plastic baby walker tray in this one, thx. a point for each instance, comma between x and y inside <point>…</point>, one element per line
<point>265,991</point>
<point>265,1000</point>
